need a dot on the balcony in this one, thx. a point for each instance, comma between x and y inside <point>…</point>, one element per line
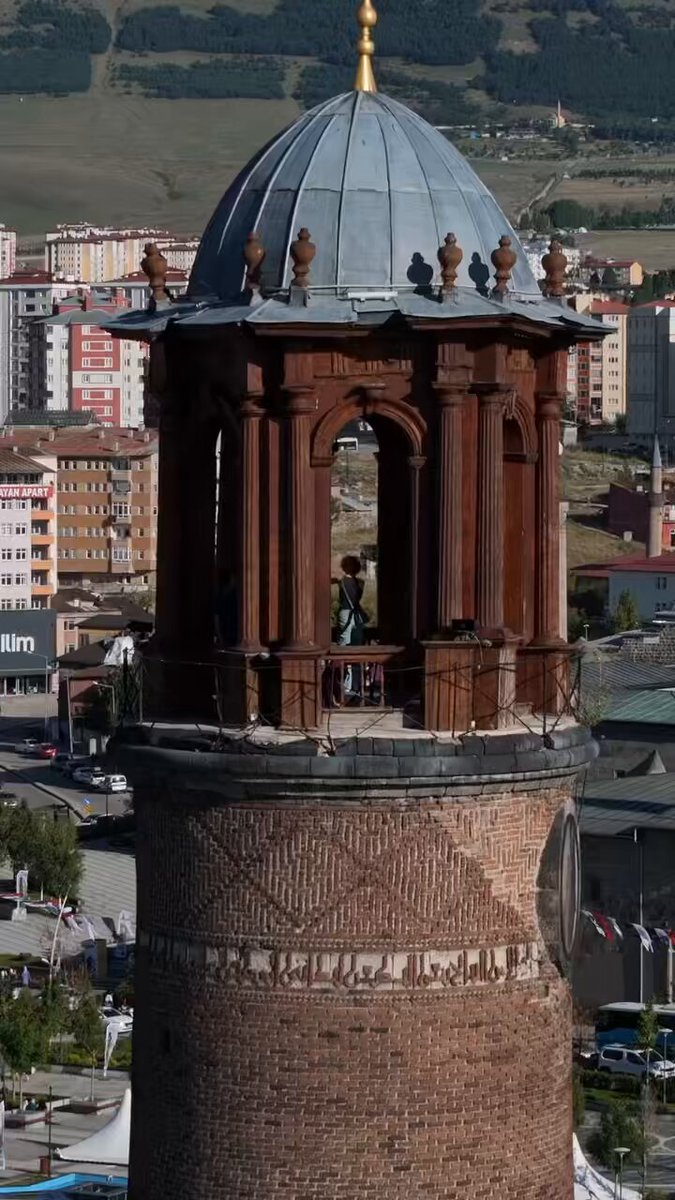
<point>42,589</point>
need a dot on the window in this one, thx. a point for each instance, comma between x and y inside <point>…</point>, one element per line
<point>22,530</point>
<point>661,583</point>
<point>21,604</point>
<point>5,580</point>
<point>5,555</point>
<point>5,604</point>
<point>6,530</point>
<point>120,509</point>
<point>21,554</point>
<point>121,554</point>
<point>21,580</point>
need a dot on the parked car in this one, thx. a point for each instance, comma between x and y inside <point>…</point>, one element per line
<point>27,746</point>
<point>626,1061</point>
<point>47,750</point>
<point>111,783</point>
<point>114,1016</point>
<point>75,761</point>
<point>89,776</point>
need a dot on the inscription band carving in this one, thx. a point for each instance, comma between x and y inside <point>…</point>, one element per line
<point>254,968</point>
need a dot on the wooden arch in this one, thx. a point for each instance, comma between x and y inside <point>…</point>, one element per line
<point>398,411</point>
<point>517,410</point>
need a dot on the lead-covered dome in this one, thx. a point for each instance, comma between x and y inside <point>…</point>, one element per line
<point>377,187</point>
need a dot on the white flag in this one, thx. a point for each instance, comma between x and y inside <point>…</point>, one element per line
<point>643,936</point>
<point>112,1032</point>
<point>22,883</point>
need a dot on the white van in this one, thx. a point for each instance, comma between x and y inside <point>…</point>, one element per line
<point>625,1061</point>
<point>112,783</point>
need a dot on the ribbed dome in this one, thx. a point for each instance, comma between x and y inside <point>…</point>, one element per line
<point>377,187</point>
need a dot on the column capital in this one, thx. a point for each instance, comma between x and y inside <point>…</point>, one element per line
<point>450,394</point>
<point>549,405</point>
<point>250,406</point>
<point>300,399</point>
<point>492,394</point>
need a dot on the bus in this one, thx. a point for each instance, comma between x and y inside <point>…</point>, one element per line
<point>617,1024</point>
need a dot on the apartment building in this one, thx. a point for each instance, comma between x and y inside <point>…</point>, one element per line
<point>97,254</point>
<point>76,365</point>
<point>609,274</point>
<point>597,371</point>
<point>651,374</point>
<point>25,297</point>
<point>28,562</point>
<point>7,251</point>
<point>106,495</point>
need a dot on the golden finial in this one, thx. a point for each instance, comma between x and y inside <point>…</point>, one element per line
<point>365,78</point>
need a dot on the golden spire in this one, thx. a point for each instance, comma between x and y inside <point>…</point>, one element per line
<point>365,78</point>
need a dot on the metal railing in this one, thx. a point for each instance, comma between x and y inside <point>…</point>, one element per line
<point>359,677</point>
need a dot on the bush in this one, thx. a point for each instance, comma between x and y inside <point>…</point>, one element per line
<point>45,71</point>
<point>619,1126</point>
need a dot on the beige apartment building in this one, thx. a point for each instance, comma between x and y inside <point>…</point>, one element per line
<point>97,255</point>
<point>598,371</point>
<point>106,499</point>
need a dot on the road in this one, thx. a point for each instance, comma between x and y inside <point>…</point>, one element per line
<point>41,786</point>
<point>109,876</point>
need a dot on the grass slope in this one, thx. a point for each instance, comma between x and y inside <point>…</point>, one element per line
<point>112,157</point>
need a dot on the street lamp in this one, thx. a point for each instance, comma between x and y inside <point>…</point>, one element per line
<point>46,658</point>
<point>621,1151</point>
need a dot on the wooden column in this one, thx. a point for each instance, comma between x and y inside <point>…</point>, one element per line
<point>250,414</point>
<point>547,613</point>
<point>449,604</point>
<point>300,634</point>
<point>490,548</point>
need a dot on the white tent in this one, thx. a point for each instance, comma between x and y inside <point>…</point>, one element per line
<point>589,1184</point>
<point>110,1146</point>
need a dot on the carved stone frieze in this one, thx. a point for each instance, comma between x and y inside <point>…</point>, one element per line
<point>333,971</point>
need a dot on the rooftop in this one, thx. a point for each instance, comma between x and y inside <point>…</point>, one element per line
<point>660,564</point>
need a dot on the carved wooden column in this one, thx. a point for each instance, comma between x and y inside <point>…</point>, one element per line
<point>547,613</point>
<point>250,414</point>
<point>490,549</point>
<point>300,528</point>
<point>450,504</point>
<point>415,464</point>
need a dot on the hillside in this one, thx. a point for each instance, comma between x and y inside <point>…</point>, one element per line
<point>141,110</point>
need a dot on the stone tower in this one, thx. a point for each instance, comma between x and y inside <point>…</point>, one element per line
<point>655,541</point>
<point>357,901</point>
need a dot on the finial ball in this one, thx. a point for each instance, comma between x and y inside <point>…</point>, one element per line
<point>367,16</point>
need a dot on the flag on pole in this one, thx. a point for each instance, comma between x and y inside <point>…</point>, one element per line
<point>643,936</point>
<point>112,1032</point>
<point>594,922</point>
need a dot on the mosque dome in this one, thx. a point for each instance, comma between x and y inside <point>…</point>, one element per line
<point>377,187</point>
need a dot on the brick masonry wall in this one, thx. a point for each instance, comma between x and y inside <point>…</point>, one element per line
<point>348,998</point>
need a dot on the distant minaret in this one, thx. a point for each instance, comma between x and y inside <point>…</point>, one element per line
<point>655,543</point>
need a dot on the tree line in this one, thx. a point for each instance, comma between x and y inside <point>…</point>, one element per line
<point>570,214</point>
<point>214,78</point>
<point>612,70</point>
<point>439,103</point>
<point>49,24</point>
<point>438,31</point>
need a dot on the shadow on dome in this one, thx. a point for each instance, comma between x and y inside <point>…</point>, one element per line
<point>421,273</point>
<point>479,273</point>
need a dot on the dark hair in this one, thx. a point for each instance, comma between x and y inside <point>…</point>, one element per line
<point>351,565</point>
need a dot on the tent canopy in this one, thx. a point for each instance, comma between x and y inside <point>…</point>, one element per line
<point>108,1147</point>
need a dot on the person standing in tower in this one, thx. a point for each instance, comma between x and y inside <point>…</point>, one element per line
<point>352,619</point>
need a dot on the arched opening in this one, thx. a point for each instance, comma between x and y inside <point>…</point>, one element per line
<point>518,549</point>
<point>226,542</point>
<point>354,533</point>
<point>369,523</point>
